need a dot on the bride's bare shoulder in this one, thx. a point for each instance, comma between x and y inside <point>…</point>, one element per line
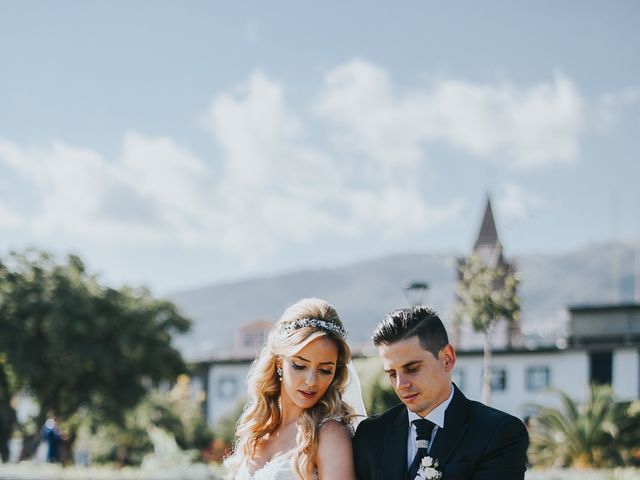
<point>333,425</point>
<point>335,458</point>
<point>333,435</point>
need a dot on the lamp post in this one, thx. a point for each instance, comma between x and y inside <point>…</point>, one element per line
<point>415,292</point>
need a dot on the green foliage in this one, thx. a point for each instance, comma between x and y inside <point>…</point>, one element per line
<point>379,394</point>
<point>487,294</point>
<point>74,343</point>
<point>194,432</point>
<point>177,411</point>
<point>599,433</point>
<point>225,429</point>
<point>629,432</point>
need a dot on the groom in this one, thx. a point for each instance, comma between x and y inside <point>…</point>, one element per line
<point>435,422</point>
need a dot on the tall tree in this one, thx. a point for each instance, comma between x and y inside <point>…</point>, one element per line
<point>74,343</point>
<point>7,413</point>
<point>487,294</point>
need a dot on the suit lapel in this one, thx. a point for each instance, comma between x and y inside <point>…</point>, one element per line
<point>455,424</point>
<point>394,455</point>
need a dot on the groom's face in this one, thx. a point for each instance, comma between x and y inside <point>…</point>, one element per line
<point>421,380</point>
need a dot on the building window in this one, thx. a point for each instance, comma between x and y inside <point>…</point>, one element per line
<point>457,376</point>
<point>227,387</point>
<point>255,339</point>
<point>538,378</point>
<point>601,367</point>
<point>498,379</point>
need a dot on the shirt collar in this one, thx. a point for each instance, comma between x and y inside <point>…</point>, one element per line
<point>436,415</point>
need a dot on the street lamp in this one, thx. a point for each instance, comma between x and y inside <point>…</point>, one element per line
<point>415,292</point>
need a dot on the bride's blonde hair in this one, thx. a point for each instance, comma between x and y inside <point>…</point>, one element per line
<point>262,414</point>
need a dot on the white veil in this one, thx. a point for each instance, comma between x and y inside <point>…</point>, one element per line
<point>353,396</point>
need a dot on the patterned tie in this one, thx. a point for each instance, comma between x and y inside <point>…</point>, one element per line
<point>423,436</point>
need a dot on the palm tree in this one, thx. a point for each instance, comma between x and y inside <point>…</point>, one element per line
<point>578,435</point>
<point>630,433</point>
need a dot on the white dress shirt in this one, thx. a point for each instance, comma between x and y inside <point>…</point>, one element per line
<point>436,416</point>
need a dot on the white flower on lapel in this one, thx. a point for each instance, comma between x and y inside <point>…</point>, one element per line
<point>428,470</point>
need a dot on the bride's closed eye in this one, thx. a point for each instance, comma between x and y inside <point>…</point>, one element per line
<point>324,371</point>
<point>298,367</point>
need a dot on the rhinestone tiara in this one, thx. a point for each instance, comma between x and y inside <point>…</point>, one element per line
<point>315,323</point>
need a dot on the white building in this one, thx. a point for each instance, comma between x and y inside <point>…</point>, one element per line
<point>603,346</point>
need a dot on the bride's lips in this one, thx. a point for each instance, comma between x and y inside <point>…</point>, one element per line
<point>308,395</point>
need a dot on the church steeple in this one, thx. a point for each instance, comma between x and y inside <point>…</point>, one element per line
<point>488,250</point>
<point>488,234</point>
<point>488,247</point>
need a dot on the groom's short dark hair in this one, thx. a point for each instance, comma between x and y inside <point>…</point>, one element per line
<point>404,323</point>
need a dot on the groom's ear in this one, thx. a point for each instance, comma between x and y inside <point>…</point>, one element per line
<point>448,357</point>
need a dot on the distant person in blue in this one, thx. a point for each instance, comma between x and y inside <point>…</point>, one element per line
<point>51,434</point>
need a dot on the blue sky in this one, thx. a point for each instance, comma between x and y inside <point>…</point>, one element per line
<point>178,144</point>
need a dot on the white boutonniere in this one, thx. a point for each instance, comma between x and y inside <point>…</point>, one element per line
<point>428,470</point>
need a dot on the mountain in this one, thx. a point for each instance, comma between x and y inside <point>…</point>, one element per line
<point>363,292</point>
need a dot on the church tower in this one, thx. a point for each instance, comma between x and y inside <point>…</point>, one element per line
<point>488,249</point>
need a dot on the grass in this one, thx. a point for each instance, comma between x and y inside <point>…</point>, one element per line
<point>36,471</point>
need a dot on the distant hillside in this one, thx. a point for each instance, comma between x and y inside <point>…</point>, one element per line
<point>364,292</point>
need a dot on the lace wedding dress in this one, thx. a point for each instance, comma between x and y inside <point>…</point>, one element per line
<point>278,468</point>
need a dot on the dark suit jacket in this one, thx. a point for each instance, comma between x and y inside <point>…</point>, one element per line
<point>477,443</point>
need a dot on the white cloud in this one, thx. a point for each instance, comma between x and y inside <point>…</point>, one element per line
<point>367,119</point>
<point>274,187</point>
<point>612,105</point>
<point>170,183</point>
<point>9,219</point>
<point>147,195</point>
<point>67,179</point>
<point>283,188</point>
<point>532,127</point>
<point>263,142</point>
<point>276,184</point>
<point>515,203</point>
<point>527,128</point>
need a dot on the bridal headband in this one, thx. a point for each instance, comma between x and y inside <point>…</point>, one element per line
<point>315,323</point>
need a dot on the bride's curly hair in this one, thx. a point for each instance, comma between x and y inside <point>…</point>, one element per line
<point>262,414</point>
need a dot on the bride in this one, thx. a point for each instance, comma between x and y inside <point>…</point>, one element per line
<point>296,424</point>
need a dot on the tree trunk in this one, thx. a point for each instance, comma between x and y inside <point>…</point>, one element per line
<point>485,396</point>
<point>31,440</point>
<point>7,414</point>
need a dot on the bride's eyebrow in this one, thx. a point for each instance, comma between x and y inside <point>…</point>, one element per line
<point>309,361</point>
